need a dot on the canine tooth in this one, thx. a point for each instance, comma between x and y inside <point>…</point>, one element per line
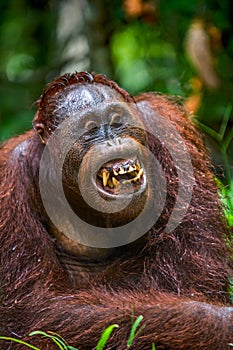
<point>138,165</point>
<point>115,172</point>
<point>105,177</point>
<point>115,183</point>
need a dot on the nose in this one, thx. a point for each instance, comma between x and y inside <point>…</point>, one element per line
<point>119,145</point>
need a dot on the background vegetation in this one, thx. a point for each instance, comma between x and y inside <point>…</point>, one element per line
<point>178,47</point>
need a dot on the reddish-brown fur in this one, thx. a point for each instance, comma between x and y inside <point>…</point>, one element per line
<point>178,281</point>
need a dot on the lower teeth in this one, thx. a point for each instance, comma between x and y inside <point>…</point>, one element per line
<point>135,179</point>
<point>116,183</point>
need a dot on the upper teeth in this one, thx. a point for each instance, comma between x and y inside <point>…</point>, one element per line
<point>109,180</point>
<point>121,171</point>
<point>130,169</point>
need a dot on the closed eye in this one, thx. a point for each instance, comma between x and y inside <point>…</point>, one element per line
<point>91,125</point>
<point>116,119</point>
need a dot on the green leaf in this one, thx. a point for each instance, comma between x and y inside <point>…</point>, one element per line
<point>105,336</point>
<point>226,195</point>
<point>57,339</point>
<point>20,342</point>
<point>133,331</point>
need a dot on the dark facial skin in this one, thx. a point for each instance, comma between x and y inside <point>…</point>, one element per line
<point>106,160</point>
<point>109,159</point>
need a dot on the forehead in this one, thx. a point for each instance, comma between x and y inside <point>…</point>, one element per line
<point>81,96</point>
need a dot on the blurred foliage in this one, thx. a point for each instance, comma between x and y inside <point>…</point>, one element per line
<point>144,42</point>
<point>26,46</point>
<point>166,46</point>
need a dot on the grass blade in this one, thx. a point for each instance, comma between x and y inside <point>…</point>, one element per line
<point>105,336</point>
<point>57,339</point>
<point>20,342</point>
<point>133,330</point>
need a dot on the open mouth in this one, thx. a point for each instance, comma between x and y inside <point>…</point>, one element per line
<point>121,176</point>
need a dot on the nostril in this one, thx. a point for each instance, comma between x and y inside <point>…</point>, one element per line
<point>109,143</point>
<point>118,141</point>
